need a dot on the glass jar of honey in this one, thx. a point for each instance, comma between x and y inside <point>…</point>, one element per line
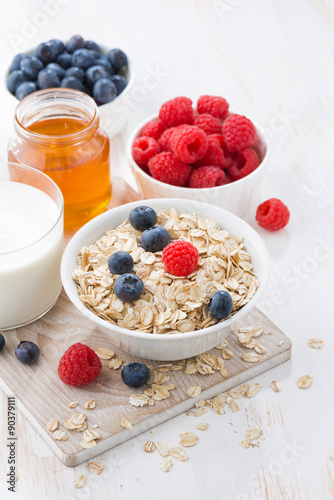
<point>57,132</point>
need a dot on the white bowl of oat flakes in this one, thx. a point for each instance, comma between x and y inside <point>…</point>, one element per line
<point>171,320</point>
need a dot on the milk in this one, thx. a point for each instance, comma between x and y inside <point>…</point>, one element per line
<point>31,242</point>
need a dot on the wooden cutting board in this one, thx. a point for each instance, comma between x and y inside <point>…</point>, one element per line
<point>43,396</point>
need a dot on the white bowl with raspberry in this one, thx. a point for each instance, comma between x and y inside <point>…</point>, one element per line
<point>234,176</point>
<point>175,346</point>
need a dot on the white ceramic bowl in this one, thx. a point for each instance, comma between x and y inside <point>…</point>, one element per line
<point>235,197</point>
<point>178,345</point>
<point>113,115</point>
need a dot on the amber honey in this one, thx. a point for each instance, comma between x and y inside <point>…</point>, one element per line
<point>74,152</point>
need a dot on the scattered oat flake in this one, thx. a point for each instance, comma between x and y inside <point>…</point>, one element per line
<point>281,342</point>
<point>253,390</point>
<point>252,434</point>
<point>73,404</point>
<point>222,344</point>
<point>115,363</point>
<point>304,382</point>
<point>99,384</point>
<point>224,371</point>
<point>260,349</point>
<point>95,468</point>
<point>90,404</point>
<point>52,424</point>
<point>315,343</point>
<point>87,444</point>
<point>245,443</point>
<point>233,405</point>
<point>194,390</point>
<point>79,481</point>
<point>166,464</point>
<point>227,354</point>
<point>91,435</point>
<point>188,439</point>
<point>200,412</point>
<point>200,403</point>
<point>59,436</point>
<point>149,447</point>
<point>275,386</point>
<point>138,400</point>
<point>178,453</point>
<point>202,426</point>
<point>104,353</point>
<point>125,423</point>
<point>162,449</point>
<point>250,358</point>
<point>76,422</point>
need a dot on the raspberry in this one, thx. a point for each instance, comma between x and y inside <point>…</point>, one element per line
<point>209,124</point>
<point>205,177</point>
<point>189,143</point>
<point>246,162</point>
<point>79,365</point>
<point>177,111</point>
<point>165,167</point>
<point>272,214</point>
<point>154,129</point>
<point>164,141</point>
<point>214,154</point>
<point>180,258</point>
<point>219,138</point>
<point>239,133</point>
<point>213,105</point>
<point>143,149</point>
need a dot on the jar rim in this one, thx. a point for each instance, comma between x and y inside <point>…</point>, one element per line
<point>51,95</point>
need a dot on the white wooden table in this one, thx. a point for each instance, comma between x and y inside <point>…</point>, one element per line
<point>274,62</point>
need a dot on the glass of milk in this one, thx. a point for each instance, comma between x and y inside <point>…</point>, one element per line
<point>31,244</point>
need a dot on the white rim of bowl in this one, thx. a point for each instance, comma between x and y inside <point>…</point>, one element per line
<point>262,165</point>
<point>158,337</point>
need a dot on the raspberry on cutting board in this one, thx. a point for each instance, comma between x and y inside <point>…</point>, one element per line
<point>272,214</point>
<point>79,365</point>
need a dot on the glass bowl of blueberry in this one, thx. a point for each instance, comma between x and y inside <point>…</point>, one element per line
<point>102,73</point>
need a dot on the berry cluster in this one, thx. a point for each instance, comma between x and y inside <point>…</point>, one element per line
<point>79,64</point>
<point>197,149</point>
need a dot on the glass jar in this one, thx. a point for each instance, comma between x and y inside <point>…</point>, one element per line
<point>57,132</point>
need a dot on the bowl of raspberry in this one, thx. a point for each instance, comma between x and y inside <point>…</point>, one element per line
<point>165,278</point>
<point>102,73</point>
<point>203,153</point>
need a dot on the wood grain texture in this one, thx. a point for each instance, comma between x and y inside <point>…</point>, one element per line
<point>43,396</point>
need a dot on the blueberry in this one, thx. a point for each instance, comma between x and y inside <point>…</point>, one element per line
<point>2,342</point>
<point>104,91</point>
<point>95,73</point>
<point>128,287</point>
<point>117,58</point>
<point>142,218</point>
<point>65,60</point>
<point>155,239</point>
<point>83,58</point>
<point>59,44</point>
<point>90,45</point>
<point>135,374</point>
<point>221,304</point>
<point>75,42</point>
<point>27,352</point>
<point>103,61</point>
<point>15,79</point>
<point>120,83</point>
<point>25,89</point>
<point>47,52</point>
<point>31,66</point>
<point>56,68</point>
<point>47,79</point>
<point>70,82</point>
<point>16,62</point>
<point>76,72</point>
<point>120,263</point>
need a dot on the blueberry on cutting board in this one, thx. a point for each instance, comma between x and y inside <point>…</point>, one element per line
<point>2,342</point>
<point>27,352</point>
<point>135,374</point>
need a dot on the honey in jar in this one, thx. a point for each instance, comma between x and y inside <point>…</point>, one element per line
<point>57,132</point>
